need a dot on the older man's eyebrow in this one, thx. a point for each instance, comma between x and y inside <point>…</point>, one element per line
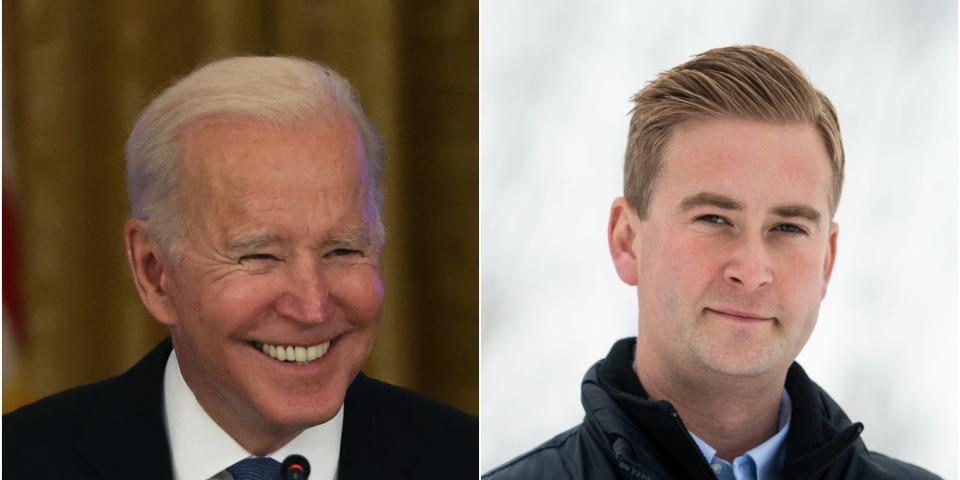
<point>253,243</point>
<point>707,199</point>
<point>798,211</point>
<point>359,236</point>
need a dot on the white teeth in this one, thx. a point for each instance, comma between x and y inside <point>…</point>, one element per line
<point>289,353</point>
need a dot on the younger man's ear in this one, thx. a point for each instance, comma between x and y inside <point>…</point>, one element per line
<point>150,270</point>
<point>830,258</point>
<point>623,239</point>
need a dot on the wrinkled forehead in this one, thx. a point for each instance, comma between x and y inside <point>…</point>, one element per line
<point>238,168</point>
<point>227,152</point>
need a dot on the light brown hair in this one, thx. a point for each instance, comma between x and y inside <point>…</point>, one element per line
<point>743,81</point>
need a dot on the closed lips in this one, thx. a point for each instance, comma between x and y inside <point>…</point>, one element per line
<point>743,315</point>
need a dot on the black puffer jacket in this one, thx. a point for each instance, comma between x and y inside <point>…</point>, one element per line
<point>626,435</point>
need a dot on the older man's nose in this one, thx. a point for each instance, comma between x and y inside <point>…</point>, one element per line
<point>749,266</point>
<point>306,298</point>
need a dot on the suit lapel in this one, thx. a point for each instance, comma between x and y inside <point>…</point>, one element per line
<point>372,445</point>
<point>125,435</point>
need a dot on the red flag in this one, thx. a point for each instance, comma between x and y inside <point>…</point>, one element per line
<point>15,391</point>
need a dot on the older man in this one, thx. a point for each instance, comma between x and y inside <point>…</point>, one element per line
<point>255,237</point>
<point>733,172</point>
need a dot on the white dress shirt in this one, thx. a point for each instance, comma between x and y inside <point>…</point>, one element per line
<point>201,450</point>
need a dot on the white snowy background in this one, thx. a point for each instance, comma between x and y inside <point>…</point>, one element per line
<point>556,78</point>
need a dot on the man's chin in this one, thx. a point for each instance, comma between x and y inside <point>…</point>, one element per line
<point>741,370</point>
<point>290,397</point>
<point>303,413</point>
<point>742,363</point>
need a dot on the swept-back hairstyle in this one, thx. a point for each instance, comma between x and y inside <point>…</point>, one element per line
<point>739,81</point>
<point>279,91</point>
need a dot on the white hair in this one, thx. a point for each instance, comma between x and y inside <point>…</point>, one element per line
<point>280,91</point>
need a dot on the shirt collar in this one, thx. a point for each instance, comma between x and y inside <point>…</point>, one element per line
<point>769,455</point>
<point>188,425</point>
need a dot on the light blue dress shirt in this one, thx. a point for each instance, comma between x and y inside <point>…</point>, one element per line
<point>763,462</point>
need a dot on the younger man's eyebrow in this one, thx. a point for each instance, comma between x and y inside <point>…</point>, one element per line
<point>801,211</point>
<point>726,203</point>
<point>711,200</point>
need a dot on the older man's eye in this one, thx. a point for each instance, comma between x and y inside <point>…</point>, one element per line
<point>258,257</point>
<point>343,252</point>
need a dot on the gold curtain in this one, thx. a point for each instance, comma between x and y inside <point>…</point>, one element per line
<point>77,73</point>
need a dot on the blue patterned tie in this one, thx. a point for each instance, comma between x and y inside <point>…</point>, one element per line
<point>260,468</point>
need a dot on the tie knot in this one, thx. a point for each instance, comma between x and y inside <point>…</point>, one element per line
<point>258,468</point>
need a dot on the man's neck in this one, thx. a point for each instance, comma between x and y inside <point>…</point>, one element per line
<point>733,415</point>
<point>258,441</point>
<point>244,425</point>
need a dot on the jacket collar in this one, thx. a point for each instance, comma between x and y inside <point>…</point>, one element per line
<point>128,417</point>
<point>647,433</point>
<point>820,432</point>
<point>124,434</point>
<point>650,433</point>
<point>374,444</point>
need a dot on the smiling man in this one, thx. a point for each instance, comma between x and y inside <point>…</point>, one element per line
<point>255,238</point>
<point>733,173</point>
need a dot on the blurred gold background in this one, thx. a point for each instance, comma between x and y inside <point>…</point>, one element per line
<point>77,73</point>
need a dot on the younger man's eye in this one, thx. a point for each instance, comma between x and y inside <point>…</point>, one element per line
<point>791,228</point>
<point>715,219</point>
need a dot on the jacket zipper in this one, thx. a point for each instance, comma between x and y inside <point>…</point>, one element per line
<point>683,429</point>
<point>633,469</point>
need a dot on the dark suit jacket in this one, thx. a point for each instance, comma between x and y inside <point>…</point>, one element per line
<point>115,430</point>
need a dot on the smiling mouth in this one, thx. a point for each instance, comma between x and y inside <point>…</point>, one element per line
<point>293,354</point>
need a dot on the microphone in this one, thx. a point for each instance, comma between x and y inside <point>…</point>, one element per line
<point>295,467</point>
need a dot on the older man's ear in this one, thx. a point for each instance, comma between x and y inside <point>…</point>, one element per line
<point>150,269</point>
<point>623,240</point>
